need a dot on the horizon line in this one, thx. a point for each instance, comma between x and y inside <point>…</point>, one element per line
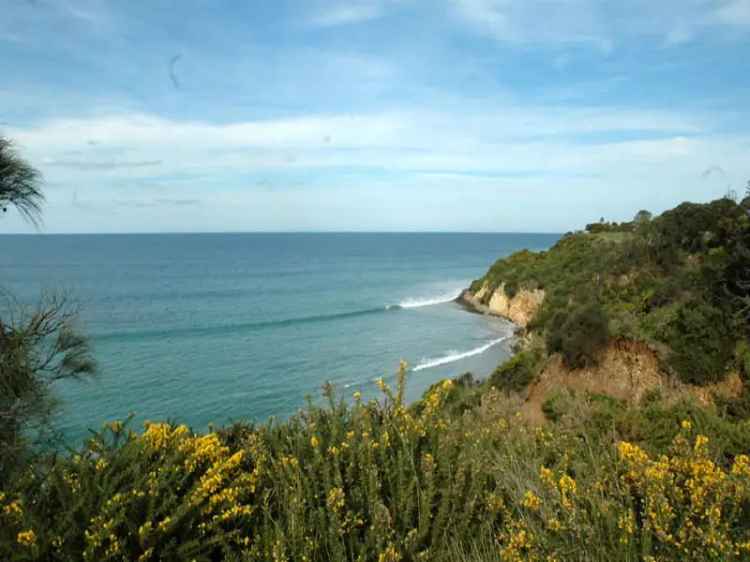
<point>149,233</point>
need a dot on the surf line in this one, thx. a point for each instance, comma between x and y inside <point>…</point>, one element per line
<point>453,357</point>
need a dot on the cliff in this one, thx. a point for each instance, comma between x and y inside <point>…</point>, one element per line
<point>626,370</point>
<point>625,309</point>
<point>519,309</point>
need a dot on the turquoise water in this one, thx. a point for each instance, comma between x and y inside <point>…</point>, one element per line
<point>203,328</point>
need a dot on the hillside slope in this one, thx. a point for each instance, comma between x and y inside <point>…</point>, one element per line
<point>669,293</point>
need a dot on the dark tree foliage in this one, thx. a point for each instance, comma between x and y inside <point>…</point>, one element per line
<point>579,334</point>
<point>517,373</point>
<point>19,183</point>
<point>694,227</point>
<point>701,342</point>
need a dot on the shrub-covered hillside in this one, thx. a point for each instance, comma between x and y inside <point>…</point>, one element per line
<point>679,282</point>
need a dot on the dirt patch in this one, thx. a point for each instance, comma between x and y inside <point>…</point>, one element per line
<point>627,370</point>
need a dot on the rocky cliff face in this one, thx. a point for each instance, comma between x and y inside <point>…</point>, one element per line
<point>519,309</point>
<point>627,370</point>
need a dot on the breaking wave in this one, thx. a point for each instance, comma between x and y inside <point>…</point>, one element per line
<point>454,356</point>
<point>430,301</point>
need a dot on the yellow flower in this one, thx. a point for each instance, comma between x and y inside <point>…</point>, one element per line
<point>314,442</point>
<point>701,444</point>
<point>547,476</point>
<point>741,466</point>
<point>567,489</point>
<point>390,554</point>
<point>626,523</point>
<point>357,395</point>
<point>531,501</point>
<point>494,503</point>
<point>26,538</point>
<point>335,499</point>
<point>13,509</point>
<point>632,453</point>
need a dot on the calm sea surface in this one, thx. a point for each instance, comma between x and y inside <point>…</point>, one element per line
<point>202,328</point>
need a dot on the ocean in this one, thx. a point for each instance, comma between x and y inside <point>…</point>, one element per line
<point>211,328</point>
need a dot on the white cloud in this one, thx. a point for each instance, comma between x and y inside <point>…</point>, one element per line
<point>734,12</point>
<point>373,169</point>
<point>346,14</point>
<point>150,157</point>
<point>525,21</point>
<point>596,23</point>
<point>679,35</point>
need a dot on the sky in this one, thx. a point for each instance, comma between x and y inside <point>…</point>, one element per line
<point>373,115</point>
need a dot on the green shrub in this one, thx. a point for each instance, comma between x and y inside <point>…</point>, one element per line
<point>700,342</point>
<point>579,335</point>
<point>511,289</point>
<point>517,372</point>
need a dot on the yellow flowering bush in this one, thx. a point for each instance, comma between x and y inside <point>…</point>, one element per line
<point>384,481</point>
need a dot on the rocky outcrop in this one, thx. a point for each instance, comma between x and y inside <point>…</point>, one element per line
<point>519,309</point>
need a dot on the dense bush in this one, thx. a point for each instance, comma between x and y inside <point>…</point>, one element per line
<point>700,342</point>
<point>579,335</point>
<point>518,372</point>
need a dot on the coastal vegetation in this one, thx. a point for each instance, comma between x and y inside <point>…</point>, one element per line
<point>677,282</point>
<point>39,343</point>
<point>460,475</point>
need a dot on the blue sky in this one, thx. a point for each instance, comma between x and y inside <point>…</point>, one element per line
<point>469,115</point>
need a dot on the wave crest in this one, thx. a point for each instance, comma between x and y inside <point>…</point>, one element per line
<point>457,356</point>
<point>430,301</point>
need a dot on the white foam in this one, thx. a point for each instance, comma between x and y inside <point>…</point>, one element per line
<point>457,356</point>
<point>430,301</point>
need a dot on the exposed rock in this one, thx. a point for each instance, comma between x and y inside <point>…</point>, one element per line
<point>519,309</point>
<point>626,370</point>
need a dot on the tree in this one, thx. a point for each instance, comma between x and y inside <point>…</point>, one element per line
<point>642,217</point>
<point>746,201</point>
<point>20,183</point>
<point>38,346</point>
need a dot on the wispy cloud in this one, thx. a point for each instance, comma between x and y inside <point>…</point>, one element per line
<point>157,202</point>
<point>735,12</point>
<point>525,21</point>
<point>346,14</point>
<point>602,26</point>
<point>84,165</point>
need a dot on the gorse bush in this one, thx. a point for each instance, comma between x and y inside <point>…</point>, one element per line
<point>383,482</point>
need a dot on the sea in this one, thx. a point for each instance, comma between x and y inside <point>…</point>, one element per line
<point>212,328</point>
